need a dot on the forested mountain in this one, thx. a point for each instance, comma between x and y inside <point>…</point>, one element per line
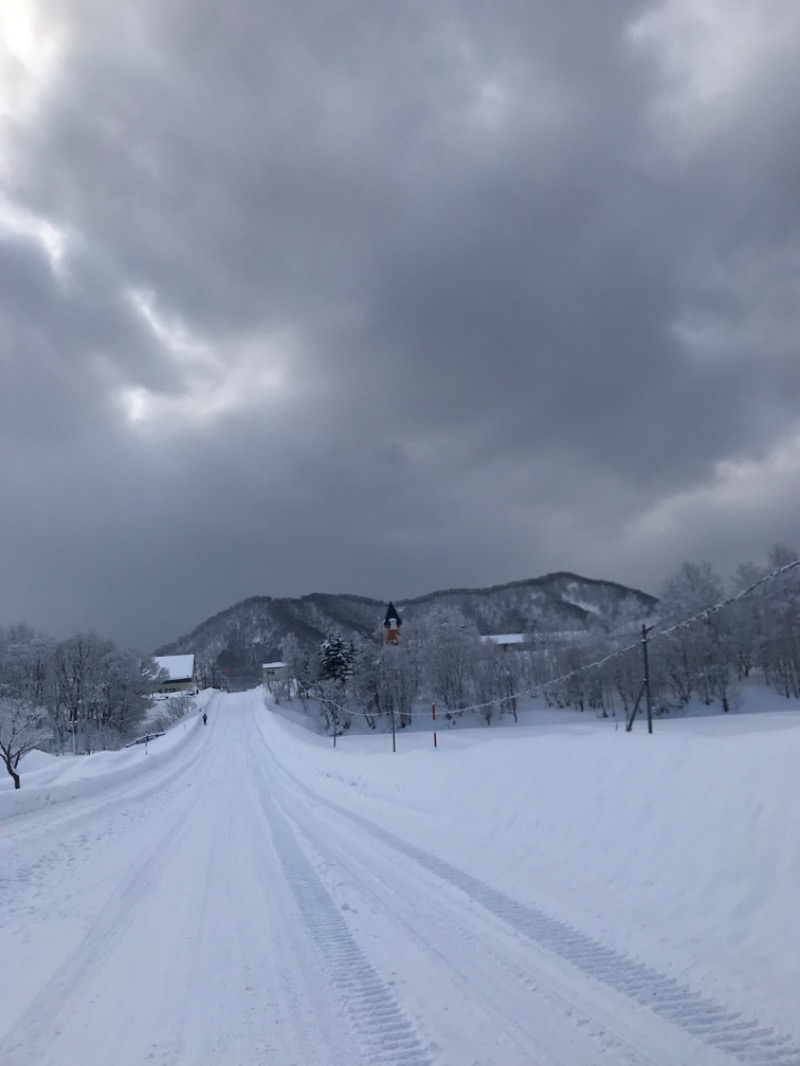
<point>235,642</point>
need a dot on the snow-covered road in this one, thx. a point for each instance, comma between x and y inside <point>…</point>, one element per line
<point>219,910</point>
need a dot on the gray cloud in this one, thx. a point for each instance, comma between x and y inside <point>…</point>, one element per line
<point>383,298</point>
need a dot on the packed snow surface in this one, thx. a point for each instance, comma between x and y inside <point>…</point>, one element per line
<point>557,893</point>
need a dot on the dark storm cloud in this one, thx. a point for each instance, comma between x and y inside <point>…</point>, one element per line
<point>387,297</point>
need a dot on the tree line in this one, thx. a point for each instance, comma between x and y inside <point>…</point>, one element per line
<point>755,637</point>
<point>439,653</point>
<point>442,657</point>
<point>78,694</point>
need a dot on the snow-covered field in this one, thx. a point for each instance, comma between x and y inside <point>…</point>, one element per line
<point>552,892</point>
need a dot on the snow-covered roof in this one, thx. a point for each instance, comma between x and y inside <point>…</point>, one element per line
<point>179,667</point>
<point>272,666</point>
<point>505,638</point>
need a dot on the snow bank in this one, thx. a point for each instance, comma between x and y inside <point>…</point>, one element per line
<point>48,779</point>
<point>679,848</point>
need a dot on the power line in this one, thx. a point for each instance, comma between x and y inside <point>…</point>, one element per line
<point>541,687</point>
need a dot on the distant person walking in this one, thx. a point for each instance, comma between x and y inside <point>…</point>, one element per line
<point>205,717</point>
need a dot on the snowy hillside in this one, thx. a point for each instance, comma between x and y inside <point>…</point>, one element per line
<point>553,892</point>
<point>238,640</point>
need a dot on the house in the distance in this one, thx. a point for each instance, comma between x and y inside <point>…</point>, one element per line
<point>505,640</point>
<point>274,672</point>
<point>180,670</point>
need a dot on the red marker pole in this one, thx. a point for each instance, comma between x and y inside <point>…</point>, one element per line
<point>433,714</point>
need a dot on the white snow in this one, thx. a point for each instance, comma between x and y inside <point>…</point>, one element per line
<point>505,638</point>
<point>178,667</point>
<point>554,892</point>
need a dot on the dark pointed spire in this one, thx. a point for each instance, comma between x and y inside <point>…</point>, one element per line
<point>392,619</point>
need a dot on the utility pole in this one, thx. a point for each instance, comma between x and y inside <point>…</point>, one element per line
<point>645,631</point>
<point>645,689</point>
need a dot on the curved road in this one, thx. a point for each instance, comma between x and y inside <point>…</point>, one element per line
<point>215,910</point>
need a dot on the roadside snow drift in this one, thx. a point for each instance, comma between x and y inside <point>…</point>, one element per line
<point>559,893</point>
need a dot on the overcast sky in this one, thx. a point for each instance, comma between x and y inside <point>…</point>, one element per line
<point>386,296</point>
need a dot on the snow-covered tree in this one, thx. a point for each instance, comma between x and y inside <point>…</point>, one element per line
<point>336,655</point>
<point>302,664</point>
<point>696,658</point>
<point>26,663</point>
<point>102,691</point>
<point>451,647</point>
<point>366,681</point>
<point>400,674</point>
<point>746,620</point>
<point>384,678</point>
<point>486,684</point>
<point>335,659</point>
<point>122,696</point>
<point>78,672</point>
<point>23,727</point>
<point>780,649</point>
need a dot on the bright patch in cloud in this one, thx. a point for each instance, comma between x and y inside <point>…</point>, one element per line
<point>17,221</point>
<point>31,45</point>
<point>710,55</point>
<point>749,487</point>
<point>172,333</point>
<point>215,381</point>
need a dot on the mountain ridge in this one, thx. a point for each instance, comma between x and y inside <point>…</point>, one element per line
<point>236,640</point>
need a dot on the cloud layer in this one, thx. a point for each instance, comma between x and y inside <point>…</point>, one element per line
<point>384,298</point>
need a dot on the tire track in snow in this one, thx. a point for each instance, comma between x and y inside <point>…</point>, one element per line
<point>721,1028</point>
<point>681,1006</point>
<point>383,1030</point>
<point>400,895</point>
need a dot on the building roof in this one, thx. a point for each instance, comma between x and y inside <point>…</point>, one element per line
<point>272,666</point>
<point>505,638</point>
<point>179,667</point>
